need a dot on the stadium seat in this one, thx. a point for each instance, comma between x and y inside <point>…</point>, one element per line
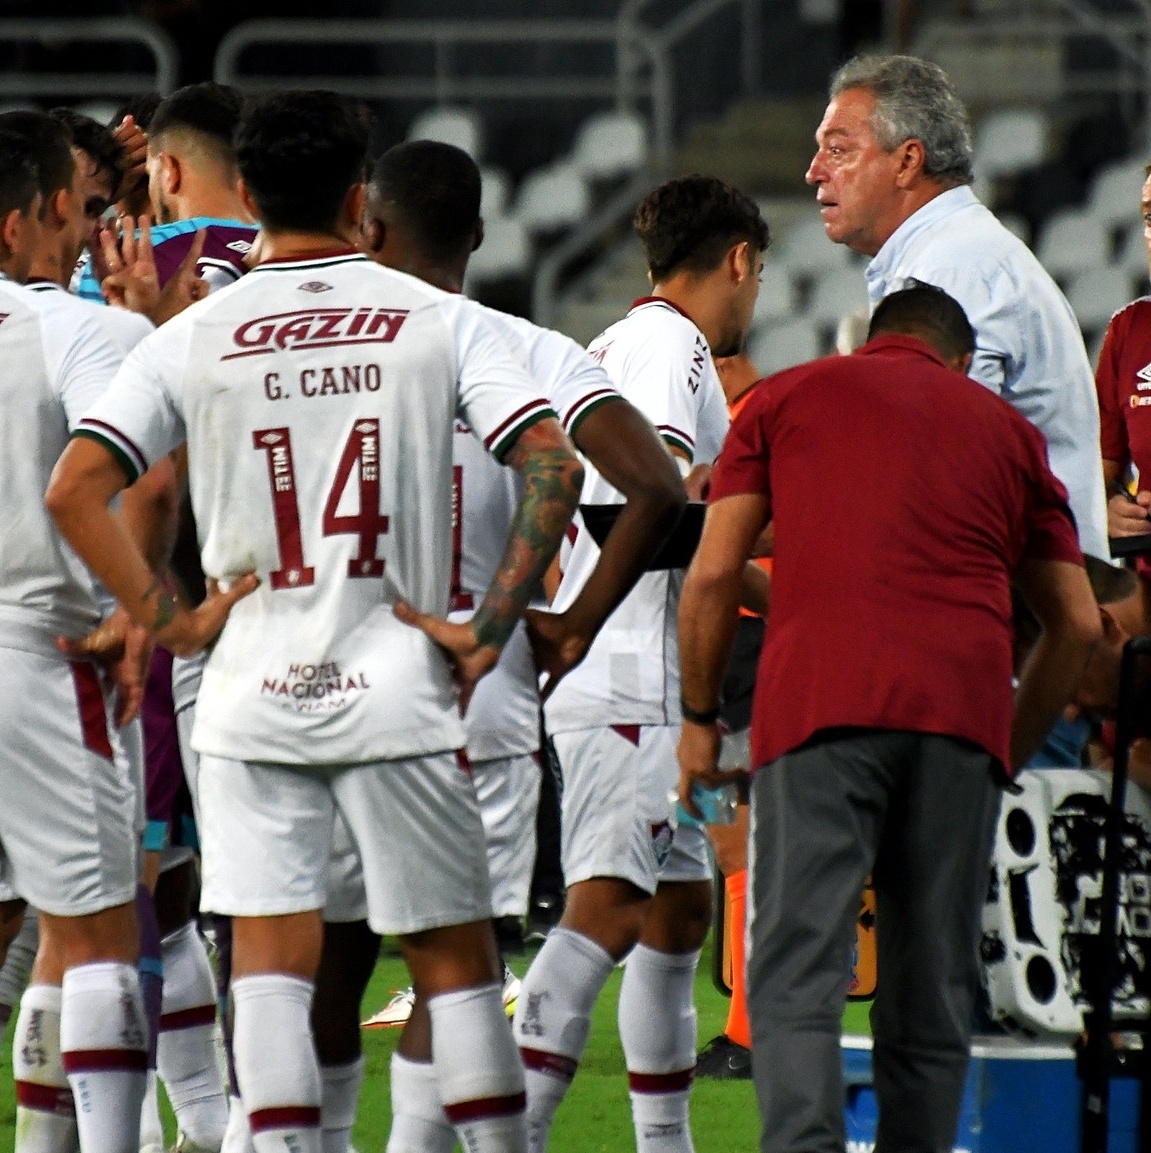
<point>1010,141</point>
<point>1115,191</point>
<point>495,191</point>
<point>553,198</point>
<point>1096,293</point>
<point>458,126</point>
<point>1073,239</point>
<point>1132,253</point>
<point>780,346</point>
<point>777,296</point>
<point>836,294</point>
<point>805,250</point>
<point>610,145</point>
<point>506,251</point>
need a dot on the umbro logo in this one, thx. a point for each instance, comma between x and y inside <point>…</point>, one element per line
<point>4,316</point>
<point>239,246</point>
<point>315,286</point>
<point>1144,378</point>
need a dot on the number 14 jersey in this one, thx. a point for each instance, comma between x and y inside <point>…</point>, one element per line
<point>318,399</point>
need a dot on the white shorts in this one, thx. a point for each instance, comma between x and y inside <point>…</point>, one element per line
<point>347,898</point>
<point>267,832</point>
<point>508,789</point>
<point>618,816</point>
<point>71,812</point>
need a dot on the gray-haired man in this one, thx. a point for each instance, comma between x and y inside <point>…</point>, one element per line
<point>892,173</point>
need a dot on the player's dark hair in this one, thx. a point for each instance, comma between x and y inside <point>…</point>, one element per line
<point>19,181</point>
<point>299,154</point>
<point>211,110</point>
<point>928,313</point>
<point>435,189</point>
<point>141,108</point>
<point>96,140</point>
<point>48,145</point>
<point>692,222</point>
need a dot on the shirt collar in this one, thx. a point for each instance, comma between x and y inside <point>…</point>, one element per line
<point>660,300</point>
<point>936,209</point>
<point>891,342</point>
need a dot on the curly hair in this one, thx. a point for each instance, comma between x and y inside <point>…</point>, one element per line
<point>93,138</point>
<point>690,223</point>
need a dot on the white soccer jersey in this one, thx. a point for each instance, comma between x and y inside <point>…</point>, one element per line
<point>57,361</point>
<point>503,717</point>
<point>317,398</point>
<point>659,360</point>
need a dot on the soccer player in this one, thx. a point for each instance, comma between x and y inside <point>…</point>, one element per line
<point>317,397</point>
<point>68,832</point>
<point>638,887</point>
<point>422,216</point>
<point>192,185</point>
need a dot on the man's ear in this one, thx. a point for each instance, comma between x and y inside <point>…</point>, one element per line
<point>171,173</point>
<point>10,231</point>
<point>246,199</point>
<point>56,210</point>
<point>372,233</point>
<point>740,262</point>
<point>963,363</point>
<point>1113,632</point>
<point>354,207</point>
<point>912,158</point>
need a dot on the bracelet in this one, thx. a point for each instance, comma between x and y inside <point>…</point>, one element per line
<point>707,717</point>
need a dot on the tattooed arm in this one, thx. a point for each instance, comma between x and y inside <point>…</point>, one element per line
<point>552,476</point>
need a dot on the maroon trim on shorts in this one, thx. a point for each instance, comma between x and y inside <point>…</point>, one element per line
<point>188,1018</point>
<point>93,712</point>
<point>105,1060</point>
<point>554,1064</point>
<point>677,1082</point>
<point>284,1117</point>
<point>628,732</point>
<point>484,1108</point>
<point>53,1099</point>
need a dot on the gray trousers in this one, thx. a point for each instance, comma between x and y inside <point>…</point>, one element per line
<point>918,812</point>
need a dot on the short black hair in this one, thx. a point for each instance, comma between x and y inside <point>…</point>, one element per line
<point>141,108</point>
<point>211,110</point>
<point>436,190</point>
<point>19,180</point>
<point>96,140</point>
<point>691,222</point>
<point>299,153</point>
<point>927,312</point>
<point>48,145</point>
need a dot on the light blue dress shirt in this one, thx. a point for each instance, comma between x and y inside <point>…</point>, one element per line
<point>1028,347</point>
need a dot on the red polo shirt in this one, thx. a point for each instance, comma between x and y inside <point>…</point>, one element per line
<point>1123,383</point>
<point>904,496</point>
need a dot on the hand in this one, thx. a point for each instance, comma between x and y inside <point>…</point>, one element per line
<point>124,649</point>
<point>187,631</point>
<point>1127,517</point>
<point>698,481</point>
<point>469,659</point>
<point>134,150</point>
<point>557,647</point>
<point>698,755</point>
<point>132,281</point>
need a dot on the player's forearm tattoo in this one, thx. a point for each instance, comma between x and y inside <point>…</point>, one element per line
<point>552,481</point>
<point>165,603</point>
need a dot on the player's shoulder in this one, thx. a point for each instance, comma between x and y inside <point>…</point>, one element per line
<point>656,325</point>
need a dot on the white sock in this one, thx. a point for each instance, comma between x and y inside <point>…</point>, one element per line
<point>657,1026</point>
<point>238,1135</point>
<point>18,962</point>
<point>340,1094</point>
<point>419,1123</point>
<point>552,1020</point>
<point>276,1062</point>
<point>478,1068</point>
<point>151,1127</point>
<point>104,1038</point>
<point>186,1056</point>
<point>45,1114</point>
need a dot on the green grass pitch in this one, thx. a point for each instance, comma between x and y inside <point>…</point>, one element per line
<point>594,1117</point>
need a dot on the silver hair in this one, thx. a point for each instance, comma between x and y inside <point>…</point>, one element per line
<point>914,99</point>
